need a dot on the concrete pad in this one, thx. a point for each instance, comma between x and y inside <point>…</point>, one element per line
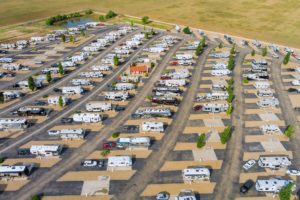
<point>192,129</point>
<point>96,187</point>
<point>213,123</point>
<point>183,146</point>
<point>156,136</point>
<point>268,117</point>
<point>132,153</point>
<point>273,145</point>
<point>175,189</point>
<point>256,155</point>
<point>76,197</point>
<point>92,127</point>
<point>295,99</point>
<point>262,111</point>
<point>204,154</point>
<point>251,124</point>
<point>209,115</point>
<point>263,138</point>
<point>93,175</point>
<point>179,165</point>
<point>245,176</point>
<point>140,121</point>
<point>257,198</point>
<point>205,86</point>
<point>44,163</point>
<point>68,143</point>
<point>13,185</point>
<point>8,103</point>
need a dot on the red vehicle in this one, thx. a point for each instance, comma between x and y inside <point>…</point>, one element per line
<point>197,107</point>
<point>109,145</point>
<point>165,77</point>
<point>174,62</point>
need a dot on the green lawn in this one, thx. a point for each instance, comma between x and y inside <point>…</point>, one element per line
<point>271,20</point>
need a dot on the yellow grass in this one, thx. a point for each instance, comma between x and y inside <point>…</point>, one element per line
<point>270,20</point>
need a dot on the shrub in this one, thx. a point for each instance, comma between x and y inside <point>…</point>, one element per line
<point>201,141</point>
<point>289,131</point>
<point>89,12</point>
<point>286,58</point>
<point>110,14</point>
<point>45,96</point>
<point>152,65</point>
<point>105,152</point>
<point>60,101</point>
<point>145,20</point>
<point>232,50</point>
<point>229,110</point>
<point>31,84</point>
<point>230,97</point>
<point>220,45</point>
<point>225,135</point>
<point>245,81</point>
<point>115,134</point>
<point>2,97</point>
<point>285,192</point>
<point>116,60</point>
<point>187,30</point>
<point>264,51</point>
<point>231,62</point>
<point>101,18</point>
<point>36,197</point>
<point>253,53</point>
<point>149,97</point>
<point>2,159</point>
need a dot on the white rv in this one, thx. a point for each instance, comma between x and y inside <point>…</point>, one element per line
<point>219,66</point>
<point>152,127</point>
<point>91,74</point>
<point>125,79</point>
<point>55,99</point>
<point>9,95</point>
<point>81,81</point>
<point>262,85</point>
<point>270,129</point>
<point>6,60</point>
<point>217,96</point>
<point>124,86</point>
<point>87,117</point>
<point>220,72</point>
<point>172,82</point>
<point>271,185</point>
<point>155,49</point>
<point>67,63</point>
<point>183,56</point>
<point>91,49</point>
<point>220,55</point>
<point>46,150</point>
<point>153,111</point>
<point>274,162</point>
<point>11,66</point>
<point>296,82</point>
<point>133,142</point>
<point>13,171</point>
<point>72,90</point>
<point>68,133</point>
<point>119,161</point>
<point>24,84</point>
<point>96,106</point>
<point>196,174</point>
<point>101,68</point>
<point>215,108</point>
<point>13,123</point>
<point>265,93</point>
<point>117,96</point>
<point>37,39</point>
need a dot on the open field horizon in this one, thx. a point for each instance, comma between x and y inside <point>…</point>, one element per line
<point>268,20</point>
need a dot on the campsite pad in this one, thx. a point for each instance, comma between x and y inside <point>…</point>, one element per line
<point>262,111</point>
<point>251,124</point>
<point>208,116</point>
<point>96,187</point>
<point>256,155</point>
<point>74,197</point>
<point>192,130</point>
<point>268,117</point>
<point>204,154</point>
<point>273,145</point>
<point>175,189</point>
<point>140,121</point>
<point>213,122</point>
<point>295,99</point>
<point>8,103</point>
<point>179,165</point>
<point>68,143</point>
<point>92,127</point>
<point>245,176</point>
<point>156,136</point>
<point>13,185</point>
<point>93,175</point>
<point>132,153</point>
<point>37,161</point>
<point>261,138</point>
<point>182,146</point>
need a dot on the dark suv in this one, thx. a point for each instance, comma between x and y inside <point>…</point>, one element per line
<point>246,186</point>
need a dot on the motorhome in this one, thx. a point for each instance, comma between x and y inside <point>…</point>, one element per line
<point>32,111</point>
<point>37,39</point>
<point>91,74</point>
<point>52,70</point>
<point>72,90</point>
<point>49,150</point>
<point>122,51</point>
<point>270,129</point>
<point>186,195</point>
<point>183,56</point>
<point>185,62</point>
<point>218,87</point>
<point>119,161</point>
<point>8,46</point>
<point>220,55</point>
<point>134,79</point>
<point>12,66</point>
<point>220,72</point>
<point>9,95</point>
<point>69,133</point>
<point>171,82</point>
<point>259,62</point>
<point>268,102</point>
<point>101,68</point>
<point>165,100</point>
<point>215,108</point>
<point>117,96</point>
<point>264,93</point>
<point>296,82</point>
<point>24,84</point>
<point>219,66</point>
<point>81,81</point>
<point>6,60</point>
<point>133,142</point>
<point>195,174</point>
<point>79,58</point>
<point>167,89</point>
<point>96,106</point>
<point>152,127</point>
<point>217,96</point>
<point>179,74</point>
<point>153,112</point>
<point>124,86</point>
<point>262,85</point>
<point>155,49</point>
<point>13,123</point>
<point>16,171</point>
<point>87,117</point>
<point>271,185</point>
<point>54,100</point>
<point>274,162</point>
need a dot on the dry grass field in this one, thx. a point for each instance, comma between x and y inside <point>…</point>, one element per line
<point>270,20</point>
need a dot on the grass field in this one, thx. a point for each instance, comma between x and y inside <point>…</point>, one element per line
<point>270,20</point>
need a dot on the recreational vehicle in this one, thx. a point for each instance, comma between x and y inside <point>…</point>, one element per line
<point>183,56</point>
<point>152,127</point>
<point>270,129</point>
<point>220,66</point>
<point>116,96</point>
<point>152,112</point>
<point>165,100</point>
<point>119,161</point>
<point>24,84</point>
<point>16,171</point>
<point>217,96</point>
<point>265,93</point>
<point>68,133</point>
<point>171,82</point>
<point>31,111</point>
<point>98,106</point>
<point>72,90</point>
<point>46,150</point>
<point>91,74</point>
<point>80,81</point>
<point>196,174</point>
<point>268,102</point>
<point>215,108</point>
<point>271,185</point>
<point>54,100</point>
<point>6,60</point>
<point>262,85</point>
<point>220,72</point>
<point>13,123</point>
<point>274,162</point>
<point>9,95</point>
<point>124,86</point>
<point>133,142</point>
<point>101,68</point>
<point>87,117</point>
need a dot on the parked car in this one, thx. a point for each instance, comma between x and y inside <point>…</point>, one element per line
<point>92,163</point>
<point>109,145</point>
<point>120,108</point>
<point>249,164</point>
<point>163,196</point>
<point>130,128</point>
<point>23,152</point>
<point>66,120</point>
<point>3,51</point>
<point>56,90</point>
<point>197,107</point>
<point>40,103</point>
<point>293,172</point>
<point>246,186</point>
<point>274,55</point>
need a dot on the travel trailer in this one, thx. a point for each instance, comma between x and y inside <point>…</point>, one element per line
<point>16,171</point>
<point>91,74</point>
<point>183,56</point>
<point>124,86</point>
<point>270,129</point>
<point>215,108</point>
<point>13,123</point>
<point>95,106</point>
<point>264,93</point>
<point>220,72</point>
<point>72,90</point>
<point>101,68</point>
<point>268,102</point>
<point>152,127</point>
<point>68,133</point>
<point>116,96</point>
<point>46,150</point>
<point>217,96</point>
<point>195,174</point>
<point>119,161</point>
<point>54,100</point>
<point>32,111</point>
<point>152,112</point>
<point>81,81</point>
<point>274,162</point>
<point>271,185</point>
<point>262,85</point>
<point>87,117</point>
<point>133,142</point>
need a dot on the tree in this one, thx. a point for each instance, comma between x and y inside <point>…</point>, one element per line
<point>232,50</point>
<point>152,65</point>
<point>264,51</point>
<point>72,38</point>
<point>220,45</point>
<point>2,97</point>
<point>285,192</point>
<point>115,134</point>
<point>203,42</point>
<point>289,131</point>
<point>82,33</point>
<point>110,14</point>
<point>286,58</point>
<point>31,83</point>
<point>225,135</point>
<point>60,101</point>
<point>101,18</point>
<point>231,62</point>
<point>60,69</point>
<point>146,35</point>
<point>48,77</point>
<point>116,60</point>
<point>199,49</point>
<point>63,38</point>
<point>187,30</point>
<point>201,141</point>
<point>36,197</point>
<point>253,53</point>
<point>145,20</point>
<point>131,24</point>
<point>89,12</point>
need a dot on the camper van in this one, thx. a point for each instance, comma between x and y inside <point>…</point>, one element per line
<point>274,162</point>
<point>152,127</point>
<point>195,174</point>
<point>46,150</point>
<point>95,106</point>
<point>87,117</point>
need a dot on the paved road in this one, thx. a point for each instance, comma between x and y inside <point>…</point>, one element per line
<point>139,181</point>
<point>228,187</point>
<point>82,152</point>
<point>18,78</point>
<point>45,91</point>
